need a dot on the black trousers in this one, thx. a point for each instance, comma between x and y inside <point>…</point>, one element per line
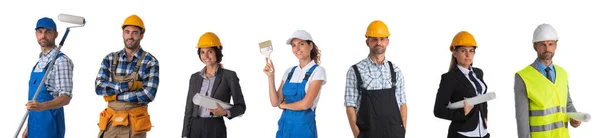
<point>208,128</point>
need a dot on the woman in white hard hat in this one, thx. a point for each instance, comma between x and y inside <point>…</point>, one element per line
<point>215,82</point>
<point>299,89</point>
<point>462,81</point>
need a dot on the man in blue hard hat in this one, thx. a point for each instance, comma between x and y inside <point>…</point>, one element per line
<point>46,116</point>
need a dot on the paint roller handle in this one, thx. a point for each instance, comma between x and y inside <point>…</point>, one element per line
<point>21,125</point>
<point>50,67</point>
<point>62,41</point>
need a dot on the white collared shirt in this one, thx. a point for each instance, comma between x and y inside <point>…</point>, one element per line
<point>298,76</point>
<point>479,131</point>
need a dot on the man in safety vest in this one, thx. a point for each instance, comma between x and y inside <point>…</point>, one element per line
<point>128,80</point>
<point>542,97</point>
<point>47,116</point>
<point>375,99</point>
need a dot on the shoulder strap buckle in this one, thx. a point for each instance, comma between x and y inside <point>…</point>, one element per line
<point>291,73</point>
<point>309,72</point>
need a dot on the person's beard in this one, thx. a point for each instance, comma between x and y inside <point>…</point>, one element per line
<point>48,42</point>
<point>132,46</point>
<point>378,49</point>
<point>546,55</point>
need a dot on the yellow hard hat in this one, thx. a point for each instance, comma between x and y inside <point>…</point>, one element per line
<point>209,39</point>
<point>463,38</point>
<point>377,29</point>
<point>134,20</point>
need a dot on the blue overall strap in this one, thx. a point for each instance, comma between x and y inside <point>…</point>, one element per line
<point>305,80</point>
<point>309,72</point>
<point>48,64</point>
<point>290,74</point>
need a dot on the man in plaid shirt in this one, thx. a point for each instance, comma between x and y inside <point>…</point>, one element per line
<point>375,96</point>
<point>128,81</point>
<point>46,118</point>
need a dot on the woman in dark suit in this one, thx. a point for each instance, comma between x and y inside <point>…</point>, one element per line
<point>462,81</point>
<point>214,81</point>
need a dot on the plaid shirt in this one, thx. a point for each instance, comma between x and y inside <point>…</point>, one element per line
<point>148,74</point>
<point>60,78</point>
<point>374,77</point>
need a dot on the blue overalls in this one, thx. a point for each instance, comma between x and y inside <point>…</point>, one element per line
<point>297,124</point>
<point>47,123</point>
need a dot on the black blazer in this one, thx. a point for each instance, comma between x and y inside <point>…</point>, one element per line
<point>226,86</point>
<point>454,86</point>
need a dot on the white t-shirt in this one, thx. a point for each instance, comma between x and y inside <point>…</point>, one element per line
<point>298,76</point>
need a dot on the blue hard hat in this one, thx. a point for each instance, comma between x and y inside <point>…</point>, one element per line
<point>47,23</point>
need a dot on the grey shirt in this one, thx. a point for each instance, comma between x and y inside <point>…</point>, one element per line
<point>206,89</point>
<point>522,105</point>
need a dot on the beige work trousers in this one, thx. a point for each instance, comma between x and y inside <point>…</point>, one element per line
<point>119,132</point>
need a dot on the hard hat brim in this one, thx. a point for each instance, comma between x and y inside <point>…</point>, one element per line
<point>452,47</point>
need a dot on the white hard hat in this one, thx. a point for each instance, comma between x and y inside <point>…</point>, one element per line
<point>300,34</point>
<point>544,32</point>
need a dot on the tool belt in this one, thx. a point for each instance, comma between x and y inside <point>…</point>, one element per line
<point>125,114</point>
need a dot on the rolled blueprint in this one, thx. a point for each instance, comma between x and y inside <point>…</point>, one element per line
<point>582,117</point>
<point>473,101</point>
<point>208,102</point>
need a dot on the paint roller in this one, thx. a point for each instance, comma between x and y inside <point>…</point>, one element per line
<point>79,22</point>
<point>71,19</point>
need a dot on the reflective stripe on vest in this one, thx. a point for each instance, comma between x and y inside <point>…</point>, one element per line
<point>547,103</point>
<point>548,111</point>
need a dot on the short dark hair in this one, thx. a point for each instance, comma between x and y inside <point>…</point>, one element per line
<point>218,53</point>
<point>141,29</point>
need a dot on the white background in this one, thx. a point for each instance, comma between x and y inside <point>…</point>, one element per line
<point>420,35</point>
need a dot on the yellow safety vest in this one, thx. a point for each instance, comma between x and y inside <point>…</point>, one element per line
<point>547,103</point>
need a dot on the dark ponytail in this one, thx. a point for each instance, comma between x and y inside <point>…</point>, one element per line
<point>452,63</point>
